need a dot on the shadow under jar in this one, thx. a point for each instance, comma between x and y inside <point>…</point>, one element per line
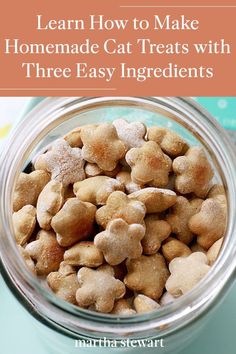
<point>61,324</point>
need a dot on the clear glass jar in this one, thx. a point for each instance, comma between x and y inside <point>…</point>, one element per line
<point>61,323</point>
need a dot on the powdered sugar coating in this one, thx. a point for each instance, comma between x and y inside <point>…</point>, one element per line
<point>131,133</point>
<point>99,288</point>
<point>65,163</point>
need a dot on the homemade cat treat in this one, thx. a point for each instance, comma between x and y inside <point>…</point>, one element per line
<point>118,205</point>
<point>132,134</point>
<point>120,241</point>
<point>84,253</point>
<point>73,138</point>
<point>149,165</point>
<point>179,216</point>
<point>156,231</point>
<point>170,142</point>
<point>209,223</point>
<point>24,221</point>
<point>101,145</point>
<point>49,203</point>
<point>74,222</point>
<point>155,200</point>
<point>147,275</point>
<point>174,248</point>
<point>91,292</point>
<point>106,212</point>
<point>64,283</point>
<point>186,272</point>
<point>144,304</point>
<point>46,252</point>
<point>122,307</point>
<point>28,187</point>
<point>65,163</point>
<point>194,172</point>
<point>97,189</point>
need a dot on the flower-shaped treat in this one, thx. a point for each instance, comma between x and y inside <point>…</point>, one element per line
<point>149,165</point>
<point>186,272</point>
<point>120,241</point>
<point>65,163</point>
<point>118,205</point>
<point>98,288</point>
<point>131,133</point>
<point>194,172</point>
<point>102,145</point>
<point>147,275</point>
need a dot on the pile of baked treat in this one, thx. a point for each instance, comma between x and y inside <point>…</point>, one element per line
<point>120,218</point>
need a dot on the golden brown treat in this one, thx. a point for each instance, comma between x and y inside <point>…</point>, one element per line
<point>186,272</point>
<point>143,304</point>
<point>28,187</point>
<point>124,177</point>
<point>49,202</point>
<point>147,275</point>
<point>214,251</point>
<point>73,138</point>
<point>180,215</point>
<point>97,189</point>
<point>46,252</point>
<point>175,248</point>
<point>120,241</point>
<point>99,288</point>
<point>85,254</point>
<point>120,206</point>
<point>149,165</point>
<point>28,260</point>
<point>155,200</point>
<point>65,163</point>
<point>122,307</point>
<point>170,142</point>
<point>194,172</point>
<point>209,223</point>
<point>156,231</point>
<point>132,134</point>
<point>24,221</point>
<point>64,283</point>
<point>74,222</point>
<point>102,145</point>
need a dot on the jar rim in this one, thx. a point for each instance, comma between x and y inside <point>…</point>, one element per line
<point>50,111</point>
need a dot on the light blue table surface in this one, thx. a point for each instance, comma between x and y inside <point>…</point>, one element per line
<point>17,336</point>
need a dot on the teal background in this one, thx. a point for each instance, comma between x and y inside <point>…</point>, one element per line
<point>18,336</point>
<point>221,108</point>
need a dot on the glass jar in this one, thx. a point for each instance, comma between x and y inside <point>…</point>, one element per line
<point>65,327</point>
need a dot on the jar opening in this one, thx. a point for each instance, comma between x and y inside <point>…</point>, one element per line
<point>56,116</point>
